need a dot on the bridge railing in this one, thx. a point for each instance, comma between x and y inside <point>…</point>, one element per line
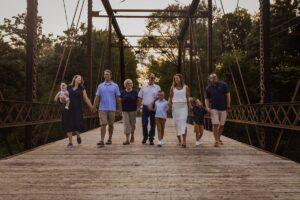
<point>284,115</point>
<point>20,113</point>
<point>274,115</point>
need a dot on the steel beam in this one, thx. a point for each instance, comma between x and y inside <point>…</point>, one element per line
<point>154,36</point>
<point>204,15</point>
<point>110,13</point>
<point>122,62</point>
<point>191,56</point>
<point>147,47</point>
<point>180,44</point>
<point>265,92</point>
<point>31,55</point>
<point>109,46</point>
<point>89,49</point>
<point>191,12</point>
<point>150,10</point>
<point>209,38</point>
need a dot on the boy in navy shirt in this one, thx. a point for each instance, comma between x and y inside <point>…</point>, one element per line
<point>198,118</point>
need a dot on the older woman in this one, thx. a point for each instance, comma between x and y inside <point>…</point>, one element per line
<point>178,99</point>
<point>129,98</point>
<point>72,119</point>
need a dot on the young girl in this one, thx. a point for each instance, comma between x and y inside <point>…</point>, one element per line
<point>161,108</point>
<point>198,118</point>
<point>63,95</point>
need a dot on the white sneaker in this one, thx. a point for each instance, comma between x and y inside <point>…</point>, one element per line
<point>162,142</point>
<point>198,143</point>
<point>159,143</point>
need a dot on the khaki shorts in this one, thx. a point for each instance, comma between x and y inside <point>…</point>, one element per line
<point>218,116</point>
<point>106,117</point>
<point>198,128</point>
<point>129,119</point>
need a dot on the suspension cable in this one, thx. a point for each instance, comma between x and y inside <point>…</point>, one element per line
<point>71,46</point>
<point>66,16</point>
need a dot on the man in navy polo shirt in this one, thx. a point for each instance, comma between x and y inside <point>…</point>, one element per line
<point>217,101</point>
<point>107,95</point>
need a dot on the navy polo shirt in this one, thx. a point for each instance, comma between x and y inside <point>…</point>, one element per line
<point>217,95</point>
<point>129,100</point>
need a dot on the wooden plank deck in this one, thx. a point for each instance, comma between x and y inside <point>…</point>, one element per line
<point>233,171</point>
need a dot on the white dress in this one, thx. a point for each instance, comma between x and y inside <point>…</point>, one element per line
<point>180,110</point>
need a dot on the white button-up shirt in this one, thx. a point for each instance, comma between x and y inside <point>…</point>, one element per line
<point>148,93</point>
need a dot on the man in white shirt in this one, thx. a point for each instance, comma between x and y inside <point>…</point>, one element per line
<point>148,95</point>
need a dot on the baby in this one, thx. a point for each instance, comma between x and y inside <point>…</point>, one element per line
<point>63,95</point>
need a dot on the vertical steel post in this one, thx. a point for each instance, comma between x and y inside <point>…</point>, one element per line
<point>31,51</point>
<point>265,93</point>
<point>109,44</point>
<point>89,48</point>
<point>190,75</point>
<point>179,56</point>
<point>122,61</point>
<point>209,37</point>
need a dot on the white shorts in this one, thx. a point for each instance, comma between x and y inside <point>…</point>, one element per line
<point>218,116</point>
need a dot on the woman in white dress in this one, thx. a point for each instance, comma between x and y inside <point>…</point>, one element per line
<point>179,95</point>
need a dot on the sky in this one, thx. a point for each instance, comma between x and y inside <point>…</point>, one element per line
<point>54,18</point>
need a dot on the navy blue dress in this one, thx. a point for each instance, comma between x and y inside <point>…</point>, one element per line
<point>72,119</point>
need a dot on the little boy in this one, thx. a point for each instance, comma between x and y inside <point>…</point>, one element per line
<point>63,95</point>
<point>198,118</point>
<point>161,108</point>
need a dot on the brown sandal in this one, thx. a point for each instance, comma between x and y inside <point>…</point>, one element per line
<point>216,144</point>
<point>126,143</point>
<point>132,139</point>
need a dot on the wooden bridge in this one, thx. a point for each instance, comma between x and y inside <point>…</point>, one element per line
<point>232,171</point>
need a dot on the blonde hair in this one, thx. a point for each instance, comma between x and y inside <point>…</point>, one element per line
<point>127,81</point>
<point>74,78</point>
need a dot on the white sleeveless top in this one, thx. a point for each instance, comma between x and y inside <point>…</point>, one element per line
<point>179,95</point>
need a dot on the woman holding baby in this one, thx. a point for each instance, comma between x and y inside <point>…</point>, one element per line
<point>72,115</point>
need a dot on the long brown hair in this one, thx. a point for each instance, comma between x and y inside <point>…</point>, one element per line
<point>181,80</point>
<point>74,78</point>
